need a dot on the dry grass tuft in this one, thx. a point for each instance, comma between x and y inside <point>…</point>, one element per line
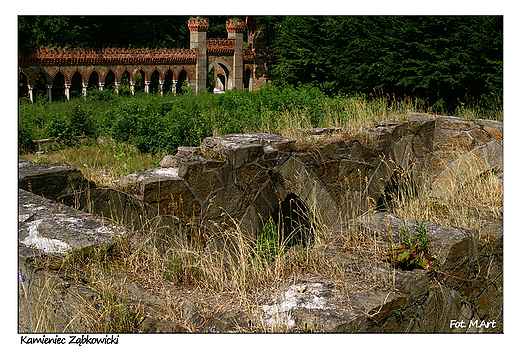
<point>227,269</point>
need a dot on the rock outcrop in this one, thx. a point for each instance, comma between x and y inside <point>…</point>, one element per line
<point>245,180</point>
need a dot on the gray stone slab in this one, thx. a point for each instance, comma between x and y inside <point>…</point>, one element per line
<point>452,246</point>
<point>57,181</point>
<point>54,228</point>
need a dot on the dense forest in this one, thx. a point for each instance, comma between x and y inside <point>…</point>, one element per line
<point>444,60</point>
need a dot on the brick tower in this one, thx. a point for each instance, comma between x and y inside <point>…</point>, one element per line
<point>236,31</point>
<point>198,28</point>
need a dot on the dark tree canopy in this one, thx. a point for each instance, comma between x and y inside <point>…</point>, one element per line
<point>113,31</point>
<point>439,58</point>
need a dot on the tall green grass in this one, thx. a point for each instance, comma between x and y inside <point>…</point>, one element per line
<point>161,123</point>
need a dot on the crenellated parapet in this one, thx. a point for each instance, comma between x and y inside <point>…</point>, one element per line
<point>107,56</point>
<point>235,26</point>
<point>198,24</point>
<point>221,46</point>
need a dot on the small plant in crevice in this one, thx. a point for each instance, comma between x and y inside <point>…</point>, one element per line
<point>414,250</point>
<point>267,247</point>
<point>399,314</point>
<point>183,269</point>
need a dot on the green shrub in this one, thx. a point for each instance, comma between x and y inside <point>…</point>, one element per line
<point>414,251</point>
<point>68,128</point>
<point>161,123</point>
<point>107,95</point>
<point>124,120</point>
<point>25,140</point>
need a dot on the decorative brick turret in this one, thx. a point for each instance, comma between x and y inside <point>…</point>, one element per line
<point>198,24</point>
<point>236,31</point>
<point>198,28</point>
<point>233,26</point>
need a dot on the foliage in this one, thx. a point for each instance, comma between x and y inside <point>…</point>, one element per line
<point>111,31</point>
<point>160,124</point>
<point>155,127</point>
<point>68,128</point>
<point>267,246</point>
<point>414,251</point>
<point>25,139</point>
<point>442,59</point>
<point>97,95</point>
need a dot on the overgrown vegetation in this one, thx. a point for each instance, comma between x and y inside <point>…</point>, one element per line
<point>160,124</point>
<point>227,268</point>
<point>108,135</point>
<point>443,60</point>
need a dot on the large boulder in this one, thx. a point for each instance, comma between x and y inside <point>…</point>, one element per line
<point>57,181</point>
<point>452,246</point>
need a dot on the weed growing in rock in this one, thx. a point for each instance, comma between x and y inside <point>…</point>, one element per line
<point>267,247</point>
<point>414,250</point>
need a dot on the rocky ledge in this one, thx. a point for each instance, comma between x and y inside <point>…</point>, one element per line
<point>60,211</point>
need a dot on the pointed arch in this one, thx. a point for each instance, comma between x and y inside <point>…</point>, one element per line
<point>247,79</point>
<point>180,70</point>
<point>168,81</point>
<point>57,71</point>
<point>140,78</point>
<point>41,80</point>
<point>58,86</point>
<point>124,83</point>
<point>23,82</point>
<point>293,181</point>
<point>154,81</point>
<point>181,78</point>
<point>125,77</point>
<point>222,73</point>
<point>93,80</point>
<point>110,79</point>
<point>76,84</point>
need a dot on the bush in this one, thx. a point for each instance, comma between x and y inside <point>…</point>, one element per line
<point>107,95</point>
<point>155,127</point>
<point>124,120</point>
<point>68,128</point>
<point>25,140</point>
<point>160,124</point>
<point>414,251</point>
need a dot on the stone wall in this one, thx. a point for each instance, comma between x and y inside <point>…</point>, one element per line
<point>244,178</point>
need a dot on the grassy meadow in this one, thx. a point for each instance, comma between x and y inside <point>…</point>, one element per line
<point>128,134</point>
